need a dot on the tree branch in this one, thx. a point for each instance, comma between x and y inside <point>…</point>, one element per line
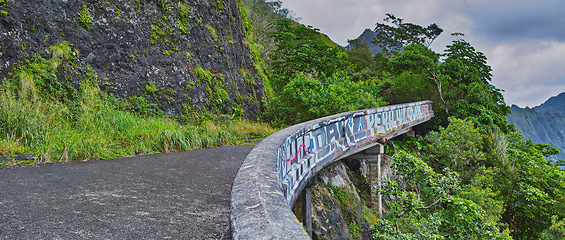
<point>436,202</point>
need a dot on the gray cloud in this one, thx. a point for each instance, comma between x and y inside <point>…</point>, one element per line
<point>521,21</point>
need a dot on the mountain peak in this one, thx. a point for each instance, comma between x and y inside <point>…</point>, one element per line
<point>555,104</point>
<point>367,37</point>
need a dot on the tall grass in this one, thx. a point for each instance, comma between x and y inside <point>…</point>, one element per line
<point>39,116</point>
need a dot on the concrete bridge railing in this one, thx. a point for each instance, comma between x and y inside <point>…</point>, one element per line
<point>279,167</point>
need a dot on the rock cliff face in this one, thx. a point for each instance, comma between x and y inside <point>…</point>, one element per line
<point>340,203</point>
<point>183,55</point>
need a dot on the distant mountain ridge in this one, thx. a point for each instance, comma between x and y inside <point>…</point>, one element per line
<point>555,104</point>
<point>367,37</point>
<point>543,124</point>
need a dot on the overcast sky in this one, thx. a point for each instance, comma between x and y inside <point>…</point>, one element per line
<point>524,40</point>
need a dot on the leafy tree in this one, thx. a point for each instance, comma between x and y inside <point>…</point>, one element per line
<point>419,77</point>
<point>459,87</point>
<point>300,49</point>
<point>546,149</point>
<point>457,147</point>
<point>361,56</point>
<point>471,93</point>
<point>423,204</point>
<point>532,189</point>
<point>307,98</point>
<point>393,38</point>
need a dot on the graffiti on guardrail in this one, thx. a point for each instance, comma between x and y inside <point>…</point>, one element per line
<point>307,151</point>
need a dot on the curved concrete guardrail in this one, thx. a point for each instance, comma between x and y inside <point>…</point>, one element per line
<point>279,167</point>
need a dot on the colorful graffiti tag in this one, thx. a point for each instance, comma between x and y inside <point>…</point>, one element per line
<point>309,150</point>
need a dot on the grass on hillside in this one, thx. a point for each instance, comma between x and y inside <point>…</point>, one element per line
<point>56,122</point>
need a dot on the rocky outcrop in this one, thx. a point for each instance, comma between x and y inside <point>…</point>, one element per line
<point>338,211</point>
<point>183,55</point>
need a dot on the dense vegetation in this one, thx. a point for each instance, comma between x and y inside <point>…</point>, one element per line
<point>471,177</point>
<point>66,119</point>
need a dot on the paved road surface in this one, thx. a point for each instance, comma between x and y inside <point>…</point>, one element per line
<point>183,195</point>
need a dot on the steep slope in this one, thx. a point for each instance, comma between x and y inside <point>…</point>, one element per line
<point>543,124</point>
<point>367,37</point>
<point>555,104</point>
<point>183,55</point>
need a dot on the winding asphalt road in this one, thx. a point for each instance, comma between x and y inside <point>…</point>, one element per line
<point>184,195</point>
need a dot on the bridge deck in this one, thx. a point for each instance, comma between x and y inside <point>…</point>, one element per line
<point>182,195</point>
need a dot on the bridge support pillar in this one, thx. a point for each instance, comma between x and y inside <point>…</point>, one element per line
<point>307,208</point>
<point>373,156</point>
<point>375,176</point>
<point>303,206</point>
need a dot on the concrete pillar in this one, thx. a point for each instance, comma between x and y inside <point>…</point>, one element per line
<point>379,183</point>
<point>375,176</point>
<point>307,208</point>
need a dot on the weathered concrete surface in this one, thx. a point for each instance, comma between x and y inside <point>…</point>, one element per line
<point>258,207</point>
<point>183,195</point>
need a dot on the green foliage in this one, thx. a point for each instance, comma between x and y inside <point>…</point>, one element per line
<point>556,231</point>
<point>203,75</point>
<point>361,56</point>
<point>4,13</point>
<point>244,14</point>
<point>157,33</point>
<point>230,40</point>
<point>3,2</point>
<point>546,149</point>
<point>311,78</point>
<point>300,51</point>
<point>183,13</point>
<point>457,147</point>
<point>508,187</point>
<point>306,98</point>
<point>163,5</point>
<point>212,32</point>
<point>43,114</point>
<point>84,18</point>
<point>392,38</point>
<point>133,57</point>
<point>140,106</point>
<point>151,88</point>
<point>410,198</point>
<point>117,10</point>
<point>463,219</point>
<point>257,18</point>
<point>423,204</point>
<point>214,86</point>
<point>220,5</point>
<point>37,78</point>
<point>533,189</point>
<point>170,25</point>
<point>459,87</point>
